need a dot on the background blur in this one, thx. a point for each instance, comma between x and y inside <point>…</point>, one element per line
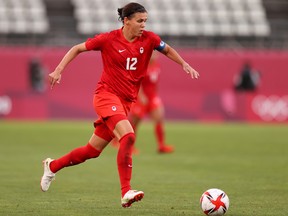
<point>219,38</point>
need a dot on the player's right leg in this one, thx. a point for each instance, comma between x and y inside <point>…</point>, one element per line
<point>79,155</point>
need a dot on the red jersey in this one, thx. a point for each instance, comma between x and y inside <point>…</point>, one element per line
<point>124,63</point>
<point>151,80</point>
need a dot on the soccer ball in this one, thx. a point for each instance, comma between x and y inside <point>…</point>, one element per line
<point>214,202</point>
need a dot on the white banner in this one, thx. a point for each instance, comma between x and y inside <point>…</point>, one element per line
<point>270,108</point>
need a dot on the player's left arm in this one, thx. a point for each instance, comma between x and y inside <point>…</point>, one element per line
<point>174,55</point>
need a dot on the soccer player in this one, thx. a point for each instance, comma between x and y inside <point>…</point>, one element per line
<point>149,102</point>
<point>125,54</point>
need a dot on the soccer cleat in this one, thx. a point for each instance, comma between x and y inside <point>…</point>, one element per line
<point>166,149</point>
<point>130,197</point>
<point>48,175</point>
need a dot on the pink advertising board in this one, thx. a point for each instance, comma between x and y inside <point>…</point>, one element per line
<point>211,98</point>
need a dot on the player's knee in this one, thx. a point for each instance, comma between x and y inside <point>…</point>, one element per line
<point>129,139</point>
<point>92,153</point>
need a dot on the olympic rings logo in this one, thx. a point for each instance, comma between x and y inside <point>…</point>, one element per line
<point>5,105</point>
<point>270,108</point>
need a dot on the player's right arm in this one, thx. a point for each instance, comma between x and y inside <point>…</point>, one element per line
<point>55,76</point>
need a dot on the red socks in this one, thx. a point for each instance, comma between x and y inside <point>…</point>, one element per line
<point>76,156</point>
<point>81,154</point>
<point>124,161</point>
<point>159,131</point>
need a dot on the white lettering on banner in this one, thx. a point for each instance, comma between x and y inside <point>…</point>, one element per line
<point>271,107</point>
<point>5,105</point>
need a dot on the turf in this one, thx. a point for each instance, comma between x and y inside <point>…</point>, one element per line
<point>248,162</point>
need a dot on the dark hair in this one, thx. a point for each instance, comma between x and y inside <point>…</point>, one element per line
<point>129,9</point>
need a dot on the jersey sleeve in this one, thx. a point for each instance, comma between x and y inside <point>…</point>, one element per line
<point>158,43</point>
<point>97,42</point>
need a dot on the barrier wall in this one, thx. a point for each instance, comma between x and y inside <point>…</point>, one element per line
<point>211,98</point>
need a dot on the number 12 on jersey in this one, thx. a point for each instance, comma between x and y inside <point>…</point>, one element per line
<point>131,63</point>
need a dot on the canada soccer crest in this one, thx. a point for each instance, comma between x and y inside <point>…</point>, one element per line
<point>141,50</point>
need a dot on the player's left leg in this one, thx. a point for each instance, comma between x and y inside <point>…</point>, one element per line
<point>125,133</point>
<point>134,120</point>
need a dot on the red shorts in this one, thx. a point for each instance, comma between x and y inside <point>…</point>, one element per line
<point>107,105</point>
<point>139,109</point>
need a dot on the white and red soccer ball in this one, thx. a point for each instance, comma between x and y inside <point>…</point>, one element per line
<point>214,202</point>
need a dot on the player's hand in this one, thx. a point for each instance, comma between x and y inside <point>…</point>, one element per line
<point>54,78</point>
<point>189,70</point>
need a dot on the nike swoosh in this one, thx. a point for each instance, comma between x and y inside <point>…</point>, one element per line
<point>120,51</point>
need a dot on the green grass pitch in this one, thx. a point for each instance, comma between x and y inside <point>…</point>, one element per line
<point>248,161</point>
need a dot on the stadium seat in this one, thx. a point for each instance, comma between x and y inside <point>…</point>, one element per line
<point>182,17</point>
<point>23,17</point>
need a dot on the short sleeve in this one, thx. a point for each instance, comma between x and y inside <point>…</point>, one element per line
<point>97,42</point>
<point>158,43</point>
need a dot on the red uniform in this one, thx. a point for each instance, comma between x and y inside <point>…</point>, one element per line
<point>150,90</point>
<point>125,65</point>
